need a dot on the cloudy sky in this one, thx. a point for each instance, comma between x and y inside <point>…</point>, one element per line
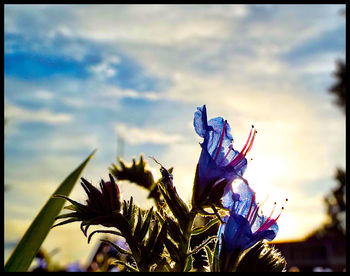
<point>78,77</point>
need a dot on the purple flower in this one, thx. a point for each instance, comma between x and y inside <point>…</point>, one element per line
<point>243,227</point>
<point>219,163</point>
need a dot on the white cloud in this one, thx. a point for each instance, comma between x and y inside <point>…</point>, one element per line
<point>16,113</point>
<point>113,91</point>
<point>44,95</point>
<point>135,135</point>
<point>106,68</point>
<point>178,23</point>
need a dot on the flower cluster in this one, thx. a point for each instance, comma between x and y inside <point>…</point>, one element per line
<point>219,163</point>
<point>162,240</point>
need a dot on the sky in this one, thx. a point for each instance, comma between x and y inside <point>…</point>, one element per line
<point>80,77</point>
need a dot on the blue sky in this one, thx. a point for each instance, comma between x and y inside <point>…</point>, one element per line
<point>76,77</point>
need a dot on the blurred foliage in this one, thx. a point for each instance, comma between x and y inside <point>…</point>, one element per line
<point>339,87</point>
<point>44,263</point>
<point>336,200</point>
<point>336,210</point>
<point>336,203</point>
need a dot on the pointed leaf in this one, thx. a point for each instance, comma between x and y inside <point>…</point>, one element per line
<point>28,246</point>
<point>159,245</point>
<point>68,215</point>
<point>175,231</point>
<point>146,224</point>
<point>116,247</point>
<point>199,247</point>
<point>152,237</point>
<point>172,249</point>
<point>189,264</point>
<point>216,260</point>
<point>138,225</point>
<point>104,231</point>
<point>161,266</point>
<point>202,229</point>
<point>65,222</point>
<point>209,256</point>
<point>129,267</point>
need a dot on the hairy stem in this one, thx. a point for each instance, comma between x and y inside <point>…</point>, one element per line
<point>184,247</point>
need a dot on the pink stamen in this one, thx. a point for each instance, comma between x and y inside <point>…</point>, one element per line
<point>250,134</point>
<point>242,154</point>
<point>268,219</point>
<point>221,139</point>
<point>252,218</point>
<point>251,143</point>
<point>250,207</point>
<point>271,222</point>
<point>254,214</point>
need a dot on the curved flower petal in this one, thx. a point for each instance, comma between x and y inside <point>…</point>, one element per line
<point>200,121</point>
<point>218,158</point>
<point>244,227</point>
<point>238,234</point>
<point>240,198</point>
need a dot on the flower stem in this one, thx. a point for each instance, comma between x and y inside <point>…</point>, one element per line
<point>184,247</point>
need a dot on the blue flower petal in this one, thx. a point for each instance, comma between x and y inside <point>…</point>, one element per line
<point>200,121</point>
<point>238,233</point>
<point>241,231</point>
<point>216,160</point>
<point>211,132</point>
<point>208,171</point>
<point>239,198</point>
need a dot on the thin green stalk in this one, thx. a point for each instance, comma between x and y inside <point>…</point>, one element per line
<point>185,246</point>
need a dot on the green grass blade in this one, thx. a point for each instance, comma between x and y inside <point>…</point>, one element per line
<point>25,251</point>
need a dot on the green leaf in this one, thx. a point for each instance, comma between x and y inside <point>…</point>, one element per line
<point>30,243</point>
<point>116,247</point>
<point>129,211</point>
<point>158,244</point>
<point>172,204</point>
<point>146,224</point>
<point>162,266</point>
<point>152,237</point>
<point>199,247</point>
<point>202,229</point>
<point>127,266</point>
<point>210,255</point>
<point>172,249</point>
<point>216,262</point>
<point>189,264</point>
<point>104,231</point>
<point>138,225</point>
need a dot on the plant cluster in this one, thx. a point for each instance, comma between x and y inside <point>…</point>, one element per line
<point>221,230</point>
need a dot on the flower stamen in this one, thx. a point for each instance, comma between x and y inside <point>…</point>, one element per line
<point>269,221</point>
<point>250,207</point>
<point>221,139</point>
<point>244,152</point>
